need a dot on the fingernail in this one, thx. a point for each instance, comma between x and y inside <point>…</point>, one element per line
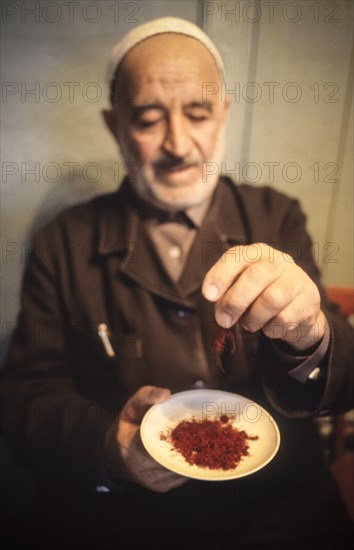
<point>223,319</point>
<point>211,292</point>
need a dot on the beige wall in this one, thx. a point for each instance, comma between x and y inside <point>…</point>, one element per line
<point>292,73</point>
<point>59,51</point>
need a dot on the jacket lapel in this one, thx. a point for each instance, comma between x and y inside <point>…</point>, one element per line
<point>223,227</point>
<point>121,234</point>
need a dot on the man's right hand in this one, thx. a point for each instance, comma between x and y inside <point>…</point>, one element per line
<point>124,453</point>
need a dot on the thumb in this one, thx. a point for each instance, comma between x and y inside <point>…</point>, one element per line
<point>136,407</point>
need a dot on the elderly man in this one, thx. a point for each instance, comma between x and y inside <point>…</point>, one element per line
<point>133,285</point>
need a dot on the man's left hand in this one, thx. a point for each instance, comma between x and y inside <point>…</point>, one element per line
<point>263,288</point>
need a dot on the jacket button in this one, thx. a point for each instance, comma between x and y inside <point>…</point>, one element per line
<point>182,313</point>
<point>199,385</point>
<point>175,252</point>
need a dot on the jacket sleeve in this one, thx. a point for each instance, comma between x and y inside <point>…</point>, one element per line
<point>47,424</point>
<point>333,391</point>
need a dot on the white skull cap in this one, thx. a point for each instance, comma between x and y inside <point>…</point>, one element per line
<point>160,26</point>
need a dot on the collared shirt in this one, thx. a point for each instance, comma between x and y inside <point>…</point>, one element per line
<point>173,236</point>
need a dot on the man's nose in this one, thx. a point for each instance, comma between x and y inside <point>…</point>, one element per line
<point>177,139</point>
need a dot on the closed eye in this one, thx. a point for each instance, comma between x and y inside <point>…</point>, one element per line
<point>198,112</point>
<point>147,123</point>
<point>147,116</point>
<point>199,117</point>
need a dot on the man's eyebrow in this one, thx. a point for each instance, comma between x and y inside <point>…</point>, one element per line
<point>141,109</point>
<point>200,105</point>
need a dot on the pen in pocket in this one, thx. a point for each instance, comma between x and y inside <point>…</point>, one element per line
<point>103,333</point>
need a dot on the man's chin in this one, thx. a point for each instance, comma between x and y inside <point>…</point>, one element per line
<point>175,193</point>
<point>178,177</point>
<point>181,197</point>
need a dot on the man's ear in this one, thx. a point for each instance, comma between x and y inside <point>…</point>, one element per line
<point>110,118</point>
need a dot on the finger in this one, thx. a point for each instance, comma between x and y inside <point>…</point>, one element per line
<point>160,483</point>
<point>236,260</point>
<point>163,474</point>
<point>136,407</point>
<point>224,272</point>
<point>147,471</point>
<point>243,293</point>
<point>273,300</point>
<point>296,323</point>
<point>163,486</point>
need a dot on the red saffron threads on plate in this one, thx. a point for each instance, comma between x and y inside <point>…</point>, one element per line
<point>223,339</point>
<point>213,444</point>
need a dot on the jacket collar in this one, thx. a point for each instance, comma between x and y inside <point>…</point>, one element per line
<point>120,233</point>
<point>224,226</point>
<point>118,218</point>
<point>115,223</point>
<point>228,214</point>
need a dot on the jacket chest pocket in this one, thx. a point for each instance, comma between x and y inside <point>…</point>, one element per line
<point>108,356</point>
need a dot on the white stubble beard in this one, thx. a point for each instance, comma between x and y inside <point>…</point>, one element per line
<point>169,198</point>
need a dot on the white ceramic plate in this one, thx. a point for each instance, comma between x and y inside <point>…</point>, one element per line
<point>203,404</point>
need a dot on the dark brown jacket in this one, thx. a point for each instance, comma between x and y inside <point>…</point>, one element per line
<point>95,264</point>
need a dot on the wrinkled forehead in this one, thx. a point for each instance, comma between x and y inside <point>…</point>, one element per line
<point>169,59</point>
<point>160,26</point>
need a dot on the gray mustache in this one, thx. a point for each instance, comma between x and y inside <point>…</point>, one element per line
<point>174,162</point>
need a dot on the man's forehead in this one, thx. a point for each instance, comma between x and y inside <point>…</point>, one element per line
<point>167,63</point>
<point>169,51</point>
<point>164,33</point>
